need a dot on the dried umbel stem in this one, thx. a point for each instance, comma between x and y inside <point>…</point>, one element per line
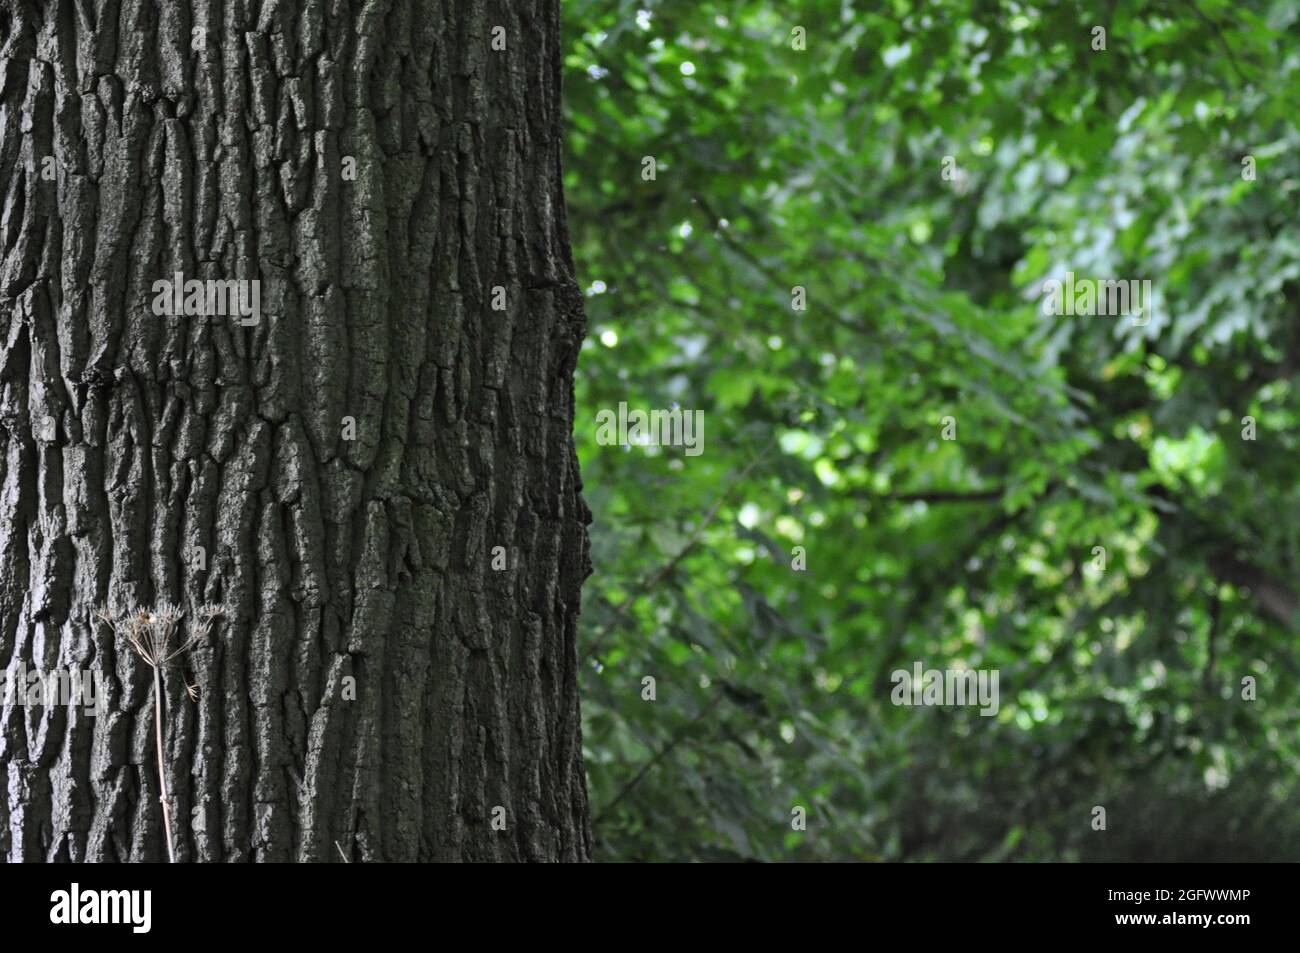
<point>150,631</point>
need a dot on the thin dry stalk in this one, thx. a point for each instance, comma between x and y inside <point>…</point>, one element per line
<point>149,632</point>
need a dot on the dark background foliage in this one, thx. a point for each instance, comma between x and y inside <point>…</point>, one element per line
<point>822,168</point>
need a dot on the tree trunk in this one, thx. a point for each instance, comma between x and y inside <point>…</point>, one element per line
<point>385,684</point>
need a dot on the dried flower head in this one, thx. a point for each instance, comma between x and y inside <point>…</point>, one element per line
<point>150,631</point>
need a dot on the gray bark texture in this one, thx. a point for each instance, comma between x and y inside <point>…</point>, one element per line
<point>376,688</point>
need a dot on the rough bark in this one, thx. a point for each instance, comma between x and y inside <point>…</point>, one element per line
<point>129,440</point>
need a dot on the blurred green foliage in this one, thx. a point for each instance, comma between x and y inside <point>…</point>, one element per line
<point>822,168</point>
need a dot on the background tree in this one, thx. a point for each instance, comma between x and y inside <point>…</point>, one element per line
<point>338,476</point>
<point>817,159</point>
